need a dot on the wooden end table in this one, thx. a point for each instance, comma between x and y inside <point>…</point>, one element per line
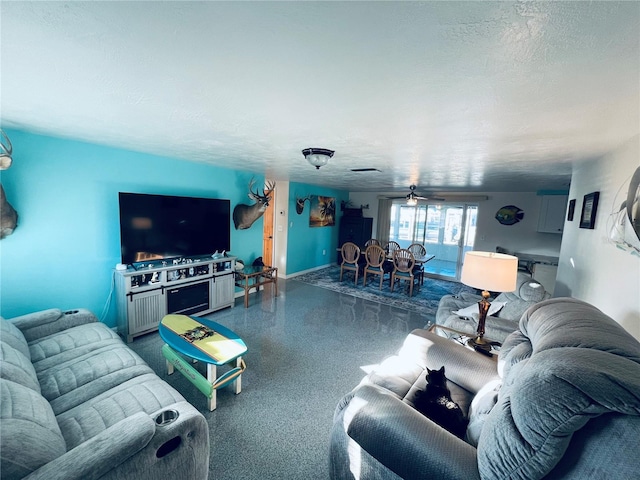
<point>462,338</point>
<point>255,277</point>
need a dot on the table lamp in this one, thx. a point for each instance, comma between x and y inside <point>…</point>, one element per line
<point>488,271</point>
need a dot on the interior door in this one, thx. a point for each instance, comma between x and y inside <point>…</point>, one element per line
<point>267,231</point>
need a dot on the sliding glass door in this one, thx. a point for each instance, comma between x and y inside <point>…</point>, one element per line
<point>446,230</point>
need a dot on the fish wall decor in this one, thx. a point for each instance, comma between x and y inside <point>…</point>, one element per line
<point>509,215</point>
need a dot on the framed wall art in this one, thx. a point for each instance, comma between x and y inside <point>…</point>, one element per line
<point>589,209</point>
<point>323,211</point>
<point>571,210</point>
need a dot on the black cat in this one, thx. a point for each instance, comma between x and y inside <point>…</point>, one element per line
<point>435,403</point>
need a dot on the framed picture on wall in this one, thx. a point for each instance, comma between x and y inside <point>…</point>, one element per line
<point>571,210</point>
<point>323,211</point>
<point>589,209</point>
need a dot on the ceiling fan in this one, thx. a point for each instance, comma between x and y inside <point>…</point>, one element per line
<point>412,197</point>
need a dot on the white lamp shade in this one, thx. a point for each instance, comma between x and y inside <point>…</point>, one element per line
<point>494,272</point>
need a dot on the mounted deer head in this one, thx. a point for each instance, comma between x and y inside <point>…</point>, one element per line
<point>300,204</point>
<point>245,215</point>
<point>8,215</point>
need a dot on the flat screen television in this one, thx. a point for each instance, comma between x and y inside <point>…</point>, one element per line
<point>156,227</point>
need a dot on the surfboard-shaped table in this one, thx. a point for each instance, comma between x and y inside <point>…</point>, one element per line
<point>206,341</point>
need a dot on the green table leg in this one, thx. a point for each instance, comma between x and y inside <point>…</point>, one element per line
<point>208,386</point>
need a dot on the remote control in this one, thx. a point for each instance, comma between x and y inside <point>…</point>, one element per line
<point>483,351</point>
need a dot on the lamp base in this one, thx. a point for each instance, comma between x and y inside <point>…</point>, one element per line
<point>479,344</point>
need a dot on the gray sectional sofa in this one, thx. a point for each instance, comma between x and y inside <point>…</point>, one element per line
<point>561,402</point>
<point>528,292</point>
<point>77,403</point>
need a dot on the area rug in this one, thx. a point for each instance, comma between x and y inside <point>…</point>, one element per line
<point>424,301</point>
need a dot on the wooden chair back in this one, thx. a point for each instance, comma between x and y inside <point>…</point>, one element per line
<point>350,256</point>
<point>350,253</point>
<point>392,247</point>
<point>417,249</point>
<point>375,257</point>
<point>403,263</point>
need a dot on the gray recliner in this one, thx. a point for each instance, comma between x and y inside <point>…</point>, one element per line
<point>77,403</point>
<point>528,292</point>
<point>561,402</point>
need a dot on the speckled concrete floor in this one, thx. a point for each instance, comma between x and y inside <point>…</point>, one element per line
<point>307,348</point>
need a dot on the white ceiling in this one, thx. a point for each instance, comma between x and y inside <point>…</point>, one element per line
<point>480,96</point>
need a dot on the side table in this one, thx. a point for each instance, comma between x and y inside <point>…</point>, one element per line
<point>254,277</point>
<point>462,338</point>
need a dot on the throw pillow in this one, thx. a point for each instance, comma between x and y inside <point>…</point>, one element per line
<point>480,408</point>
<point>473,309</point>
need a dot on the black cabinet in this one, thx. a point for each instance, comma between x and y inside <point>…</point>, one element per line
<point>354,229</point>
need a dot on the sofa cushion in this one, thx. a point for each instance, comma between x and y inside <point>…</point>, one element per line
<point>15,366</point>
<point>479,410</point>
<point>527,293</point>
<point>472,310</point>
<point>79,379</point>
<point>47,322</point>
<point>68,344</point>
<point>12,335</point>
<point>531,426</point>
<point>146,393</point>
<point>30,434</point>
<point>580,364</point>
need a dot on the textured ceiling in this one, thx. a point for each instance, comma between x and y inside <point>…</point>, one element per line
<point>479,96</point>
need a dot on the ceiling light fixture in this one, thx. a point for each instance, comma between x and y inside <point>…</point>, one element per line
<point>317,157</point>
<point>412,198</point>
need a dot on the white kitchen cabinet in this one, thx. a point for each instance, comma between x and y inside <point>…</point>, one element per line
<point>552,213</point>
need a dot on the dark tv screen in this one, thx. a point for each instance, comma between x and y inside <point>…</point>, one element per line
<point>164,226</point>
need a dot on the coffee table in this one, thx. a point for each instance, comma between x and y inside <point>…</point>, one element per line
<point>200,339</point>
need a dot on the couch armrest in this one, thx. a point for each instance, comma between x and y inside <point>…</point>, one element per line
<point>405,441</point>
<point>95,457</point>
<point>47,322</point>
<point>463,366</point>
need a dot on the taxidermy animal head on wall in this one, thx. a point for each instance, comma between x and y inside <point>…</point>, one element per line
<point>300,203</point>
<point>245,215</point>
<point>9,216</point>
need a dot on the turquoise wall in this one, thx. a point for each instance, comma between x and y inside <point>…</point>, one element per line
<point>305,244</point>
<point>68,240</point>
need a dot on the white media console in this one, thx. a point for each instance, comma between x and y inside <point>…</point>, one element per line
<point>152,290</point>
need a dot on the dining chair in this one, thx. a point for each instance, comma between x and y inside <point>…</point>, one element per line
<point>391,247</point>
<point>375,257</point>
<point>418,251</point>
<point>350,256</point>
<point>403,263</point>
<point>372,241</point>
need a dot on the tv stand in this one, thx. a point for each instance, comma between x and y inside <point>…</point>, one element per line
<point>151,290</point>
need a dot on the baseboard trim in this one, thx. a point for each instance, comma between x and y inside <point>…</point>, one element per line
<point>302,272</point>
